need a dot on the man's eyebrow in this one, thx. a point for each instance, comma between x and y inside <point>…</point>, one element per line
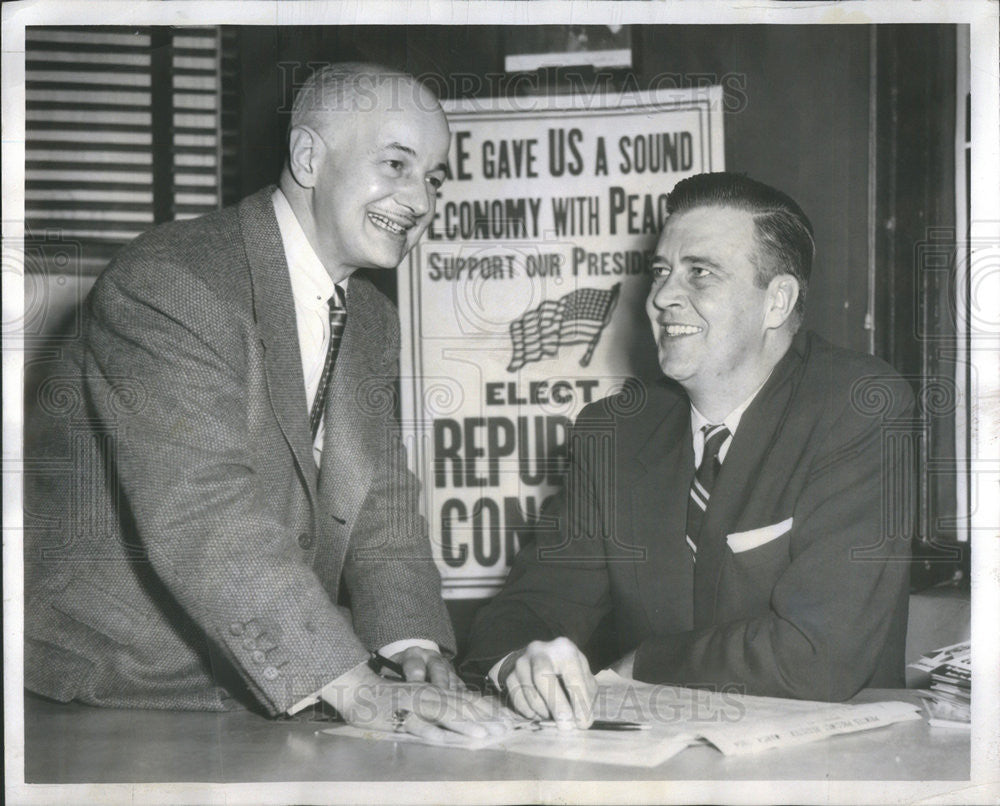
<point>400,147</point>
<point>704,261</point>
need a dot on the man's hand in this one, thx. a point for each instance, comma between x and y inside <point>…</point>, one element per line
<point>370,702</point>
<point>551,679</point>
<point>427,666</point>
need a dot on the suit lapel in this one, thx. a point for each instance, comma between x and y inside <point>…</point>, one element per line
<point>665,466</point>
<point>274,312</point>
<point>357,417</point>
<point>735,485</point>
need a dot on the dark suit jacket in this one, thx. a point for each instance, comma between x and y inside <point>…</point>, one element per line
<point>183,544</point>
<point>818,611</point>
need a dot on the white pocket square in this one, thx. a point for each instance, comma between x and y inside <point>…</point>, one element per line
<point>744,541</point>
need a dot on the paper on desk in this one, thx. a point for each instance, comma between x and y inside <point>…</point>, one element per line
<point>616,700</point>
<point>646,748</point>
<point>452,740</point>
<point>738,723</point>
<point>679,717</point>
<point>787,731</point>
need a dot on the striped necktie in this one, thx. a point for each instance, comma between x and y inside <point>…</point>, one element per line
<point>338,319</point>
<point>704,480</point>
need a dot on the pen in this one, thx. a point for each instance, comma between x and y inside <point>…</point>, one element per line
<point>603,724</point>
<point>378,662</point>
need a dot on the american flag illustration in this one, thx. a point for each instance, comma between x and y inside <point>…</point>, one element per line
<point>576,318</point>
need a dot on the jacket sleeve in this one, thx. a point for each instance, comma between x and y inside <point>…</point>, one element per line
<point>394,584</point>
<point>833,607</point>
<point>187,477</point>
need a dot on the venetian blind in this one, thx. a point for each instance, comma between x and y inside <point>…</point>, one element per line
<point>124,129</point>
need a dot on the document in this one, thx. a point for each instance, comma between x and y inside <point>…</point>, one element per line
<point>753,735</point>
<point>645,748</point>
<point>677,718</point>
<point>737,723</point>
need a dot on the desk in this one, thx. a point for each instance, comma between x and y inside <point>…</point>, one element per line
<point>78,744</point>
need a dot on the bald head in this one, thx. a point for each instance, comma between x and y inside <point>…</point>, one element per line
<point>347,88</point>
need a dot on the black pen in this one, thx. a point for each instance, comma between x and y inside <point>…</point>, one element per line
<point>602,724</point>
<point>378,662</point>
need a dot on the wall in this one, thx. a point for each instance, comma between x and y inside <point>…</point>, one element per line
<point>799,119</point>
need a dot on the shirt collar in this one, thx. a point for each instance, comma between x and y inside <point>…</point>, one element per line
<point>731,420</point>
<point>311,284</point>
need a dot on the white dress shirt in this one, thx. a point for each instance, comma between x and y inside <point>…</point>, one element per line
<point>312,287</point>
<point>730,421</point>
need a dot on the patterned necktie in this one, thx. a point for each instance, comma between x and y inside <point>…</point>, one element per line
<point>338,319</point>
<point>704,480</point>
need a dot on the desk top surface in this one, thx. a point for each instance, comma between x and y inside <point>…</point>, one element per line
<point>78,744</point>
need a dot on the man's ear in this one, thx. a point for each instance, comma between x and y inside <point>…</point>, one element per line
<point>304,146</point>
<point>782,294</point>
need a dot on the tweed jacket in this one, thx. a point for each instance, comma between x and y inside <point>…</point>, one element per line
<point>800,583</point>
<point>188,551</point>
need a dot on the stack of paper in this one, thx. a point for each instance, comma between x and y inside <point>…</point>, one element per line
<point>948,702</point>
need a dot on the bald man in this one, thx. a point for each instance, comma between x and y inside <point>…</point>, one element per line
<point>240,470</point>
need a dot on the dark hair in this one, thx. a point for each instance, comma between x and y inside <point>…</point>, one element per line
<point>783,233</point>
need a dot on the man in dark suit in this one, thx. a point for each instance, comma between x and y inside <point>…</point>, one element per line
<point>238,469</point>
<point>745,521</point>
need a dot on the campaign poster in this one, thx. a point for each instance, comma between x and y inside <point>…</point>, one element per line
<point>525,300</point>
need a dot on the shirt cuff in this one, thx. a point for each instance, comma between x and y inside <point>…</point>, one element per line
<point>315,697</point>
<point>398,646</point>
<point>387,651</point>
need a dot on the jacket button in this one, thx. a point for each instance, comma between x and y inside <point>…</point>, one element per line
<point>258,656</point>
<point>305,540</point>
<point>270,673</point>
<point>236,628</point>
